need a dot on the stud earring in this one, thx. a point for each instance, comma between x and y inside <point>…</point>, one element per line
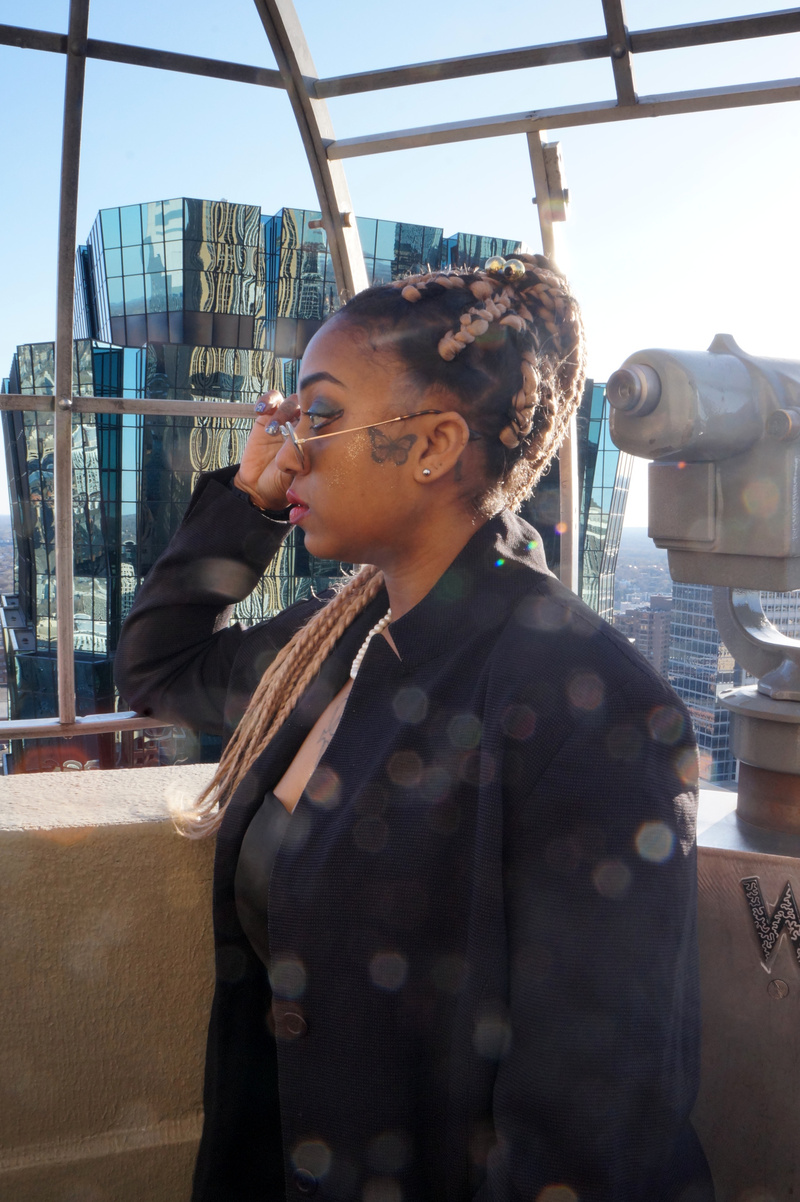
<point>426,471</point>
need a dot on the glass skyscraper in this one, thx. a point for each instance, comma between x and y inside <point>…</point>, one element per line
<point>189,299</point>
<point>604,474</point>
<point>699,665</point>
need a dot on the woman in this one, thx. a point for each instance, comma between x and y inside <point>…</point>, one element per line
<point>455,881</point>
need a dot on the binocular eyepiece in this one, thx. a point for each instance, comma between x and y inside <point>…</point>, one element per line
<point>722,430</point>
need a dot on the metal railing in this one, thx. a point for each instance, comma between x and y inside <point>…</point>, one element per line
<point>296,74</point>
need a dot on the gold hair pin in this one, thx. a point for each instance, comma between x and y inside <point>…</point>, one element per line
<point>508,269</point>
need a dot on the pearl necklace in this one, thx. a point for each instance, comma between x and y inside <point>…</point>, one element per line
<point>376,629</point>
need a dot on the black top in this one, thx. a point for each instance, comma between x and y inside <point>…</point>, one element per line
<point>254,870</point>
<point>484,923</point>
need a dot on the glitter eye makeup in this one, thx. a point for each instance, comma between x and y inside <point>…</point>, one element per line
<point>322,413</point>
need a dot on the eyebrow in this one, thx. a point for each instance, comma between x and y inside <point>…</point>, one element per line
<point>316,377</point>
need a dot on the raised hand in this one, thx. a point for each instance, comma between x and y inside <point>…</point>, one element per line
<point>258,474</point>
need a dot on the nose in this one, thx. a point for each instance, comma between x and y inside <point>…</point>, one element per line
<point>289,459</point>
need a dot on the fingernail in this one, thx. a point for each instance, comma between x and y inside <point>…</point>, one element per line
<point>274,427</point>
<point>261,406</point>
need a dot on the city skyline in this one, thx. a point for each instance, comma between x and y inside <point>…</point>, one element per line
<point>662,219</point>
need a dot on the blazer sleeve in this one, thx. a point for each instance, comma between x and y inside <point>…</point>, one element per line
<point>594,1089</point>
<point>176,649</point>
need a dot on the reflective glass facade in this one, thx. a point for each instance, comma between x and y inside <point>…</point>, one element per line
<point>188,299</point>
<point>604,474</point>
<point>699,665</point>
<point>472,250</point>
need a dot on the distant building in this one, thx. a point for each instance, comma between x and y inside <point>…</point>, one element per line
<point>649,630</point>
<point>604,474</point>
<point>699,666</point>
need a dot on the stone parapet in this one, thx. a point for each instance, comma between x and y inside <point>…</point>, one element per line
<point>106,982</point>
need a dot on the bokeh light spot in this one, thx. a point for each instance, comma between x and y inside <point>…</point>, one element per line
<point>542,613</point>
<point>687,766</point>
<point>519,721</point>
<point>586,691</point>
<point>557,1193</point>
<point>464,731</point>
<point>655,842</point>
<point>324,788</point>
<point>410,705</point>
<point>287,977</point>
<point>760,497</point>
<point>388,970</point>
<point>666,724</point>
<point>313,1155</point>
<point>561,527</point>
<point>611,879</point>
<point>405,769</point>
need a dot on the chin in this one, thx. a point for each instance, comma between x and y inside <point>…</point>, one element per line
<point>325,546</point>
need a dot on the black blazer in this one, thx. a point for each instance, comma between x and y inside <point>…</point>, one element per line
<point>483,910</point>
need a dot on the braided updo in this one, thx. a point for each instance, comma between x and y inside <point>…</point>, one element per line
<point>509,347</point>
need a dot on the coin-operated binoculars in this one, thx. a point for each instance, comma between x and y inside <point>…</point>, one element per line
<point>723,431</point>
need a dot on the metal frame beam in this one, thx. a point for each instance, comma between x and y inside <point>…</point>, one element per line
<point>141,56</point>
<point>299,74</point>
<point>96,404</point>
<point>569,116</point>
<point>568,484</point>
<point>65,289</point>
<point>644,41</point>
<point>619,47</point>
<point>92,724</point>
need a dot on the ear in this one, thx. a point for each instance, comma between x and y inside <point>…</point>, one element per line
<point>441,445</point>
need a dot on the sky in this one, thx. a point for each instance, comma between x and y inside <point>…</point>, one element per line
<point>679,227</point>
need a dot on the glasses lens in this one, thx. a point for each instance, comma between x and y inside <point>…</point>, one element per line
<point>288,433</point>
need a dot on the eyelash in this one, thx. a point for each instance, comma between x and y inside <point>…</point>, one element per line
<point>317,421</point>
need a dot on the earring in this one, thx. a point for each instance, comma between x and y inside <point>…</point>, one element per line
<point>426,471</point>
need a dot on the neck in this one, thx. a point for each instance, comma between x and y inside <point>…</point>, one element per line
<point>411,577</point>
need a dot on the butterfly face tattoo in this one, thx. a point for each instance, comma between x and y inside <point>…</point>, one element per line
<point>386,449</point>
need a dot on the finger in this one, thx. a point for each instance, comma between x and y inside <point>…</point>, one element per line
<point>269,412</point>
<point>268,401</point>
<point>288,410</point>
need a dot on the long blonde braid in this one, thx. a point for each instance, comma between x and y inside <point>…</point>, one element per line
<point>277,693</point>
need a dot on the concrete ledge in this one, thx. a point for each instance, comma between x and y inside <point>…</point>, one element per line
<point>106,986</point>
